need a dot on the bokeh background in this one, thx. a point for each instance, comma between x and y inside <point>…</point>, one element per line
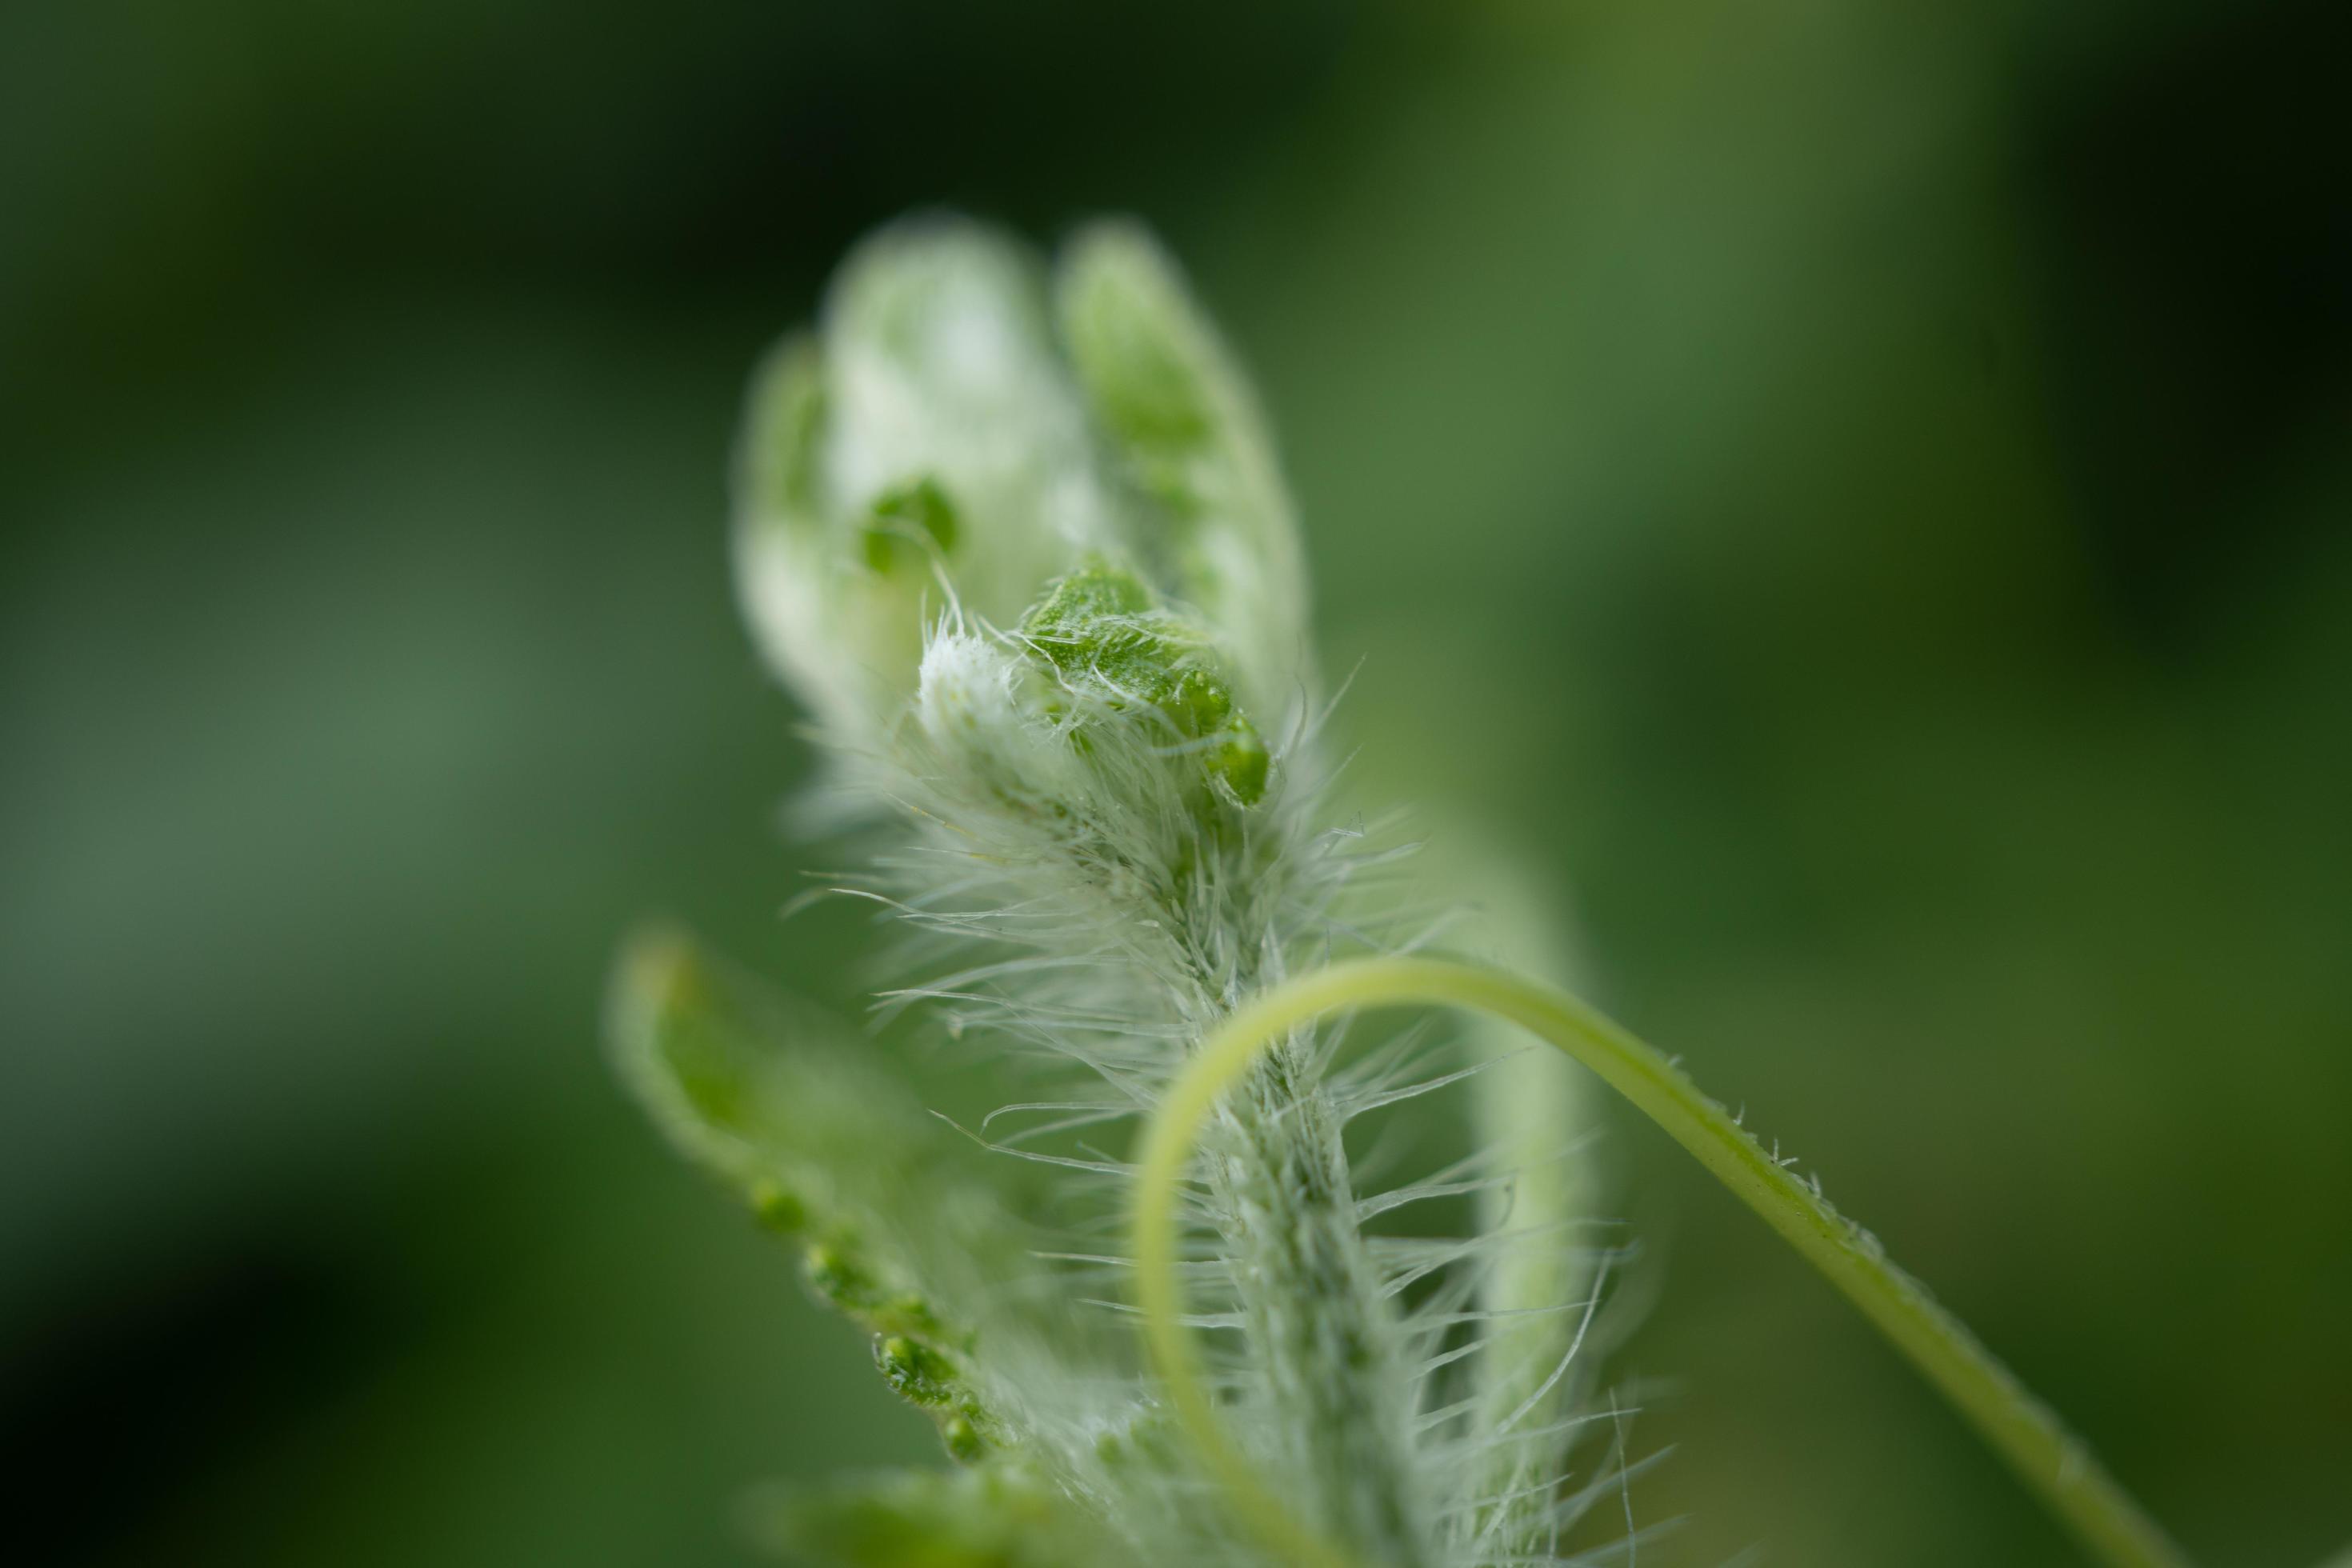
<point>1853,495</point>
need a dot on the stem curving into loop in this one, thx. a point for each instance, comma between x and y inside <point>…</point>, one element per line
<point>2053,1462</point>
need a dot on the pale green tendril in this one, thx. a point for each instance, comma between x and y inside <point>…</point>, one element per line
<point>2051,1461</point>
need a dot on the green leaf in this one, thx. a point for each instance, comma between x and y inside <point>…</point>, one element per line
<point>1170,401</point>
<point>903,1226</point>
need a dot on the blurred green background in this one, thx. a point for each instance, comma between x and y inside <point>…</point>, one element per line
<point>1856,493</point>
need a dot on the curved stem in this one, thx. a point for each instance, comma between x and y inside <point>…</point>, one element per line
<point>2051,1461</point>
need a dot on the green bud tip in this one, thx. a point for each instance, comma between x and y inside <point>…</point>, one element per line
<point>914,1369</point>
<point>1101,622</point>
<point>835,1275</point>
<point>962,1439</point>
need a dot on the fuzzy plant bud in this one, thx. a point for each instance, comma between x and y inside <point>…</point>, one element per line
<point>926,446</point>
<point>1109,639</point>
<point>1019,542</point>
<point>964,431</point>
<point>896,1221</point>
<point>1103,702</point>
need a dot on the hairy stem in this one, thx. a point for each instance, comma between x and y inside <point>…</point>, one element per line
<point>1329,1351</point>
<point>1326,1343</point>
<point>2051,1461</point>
